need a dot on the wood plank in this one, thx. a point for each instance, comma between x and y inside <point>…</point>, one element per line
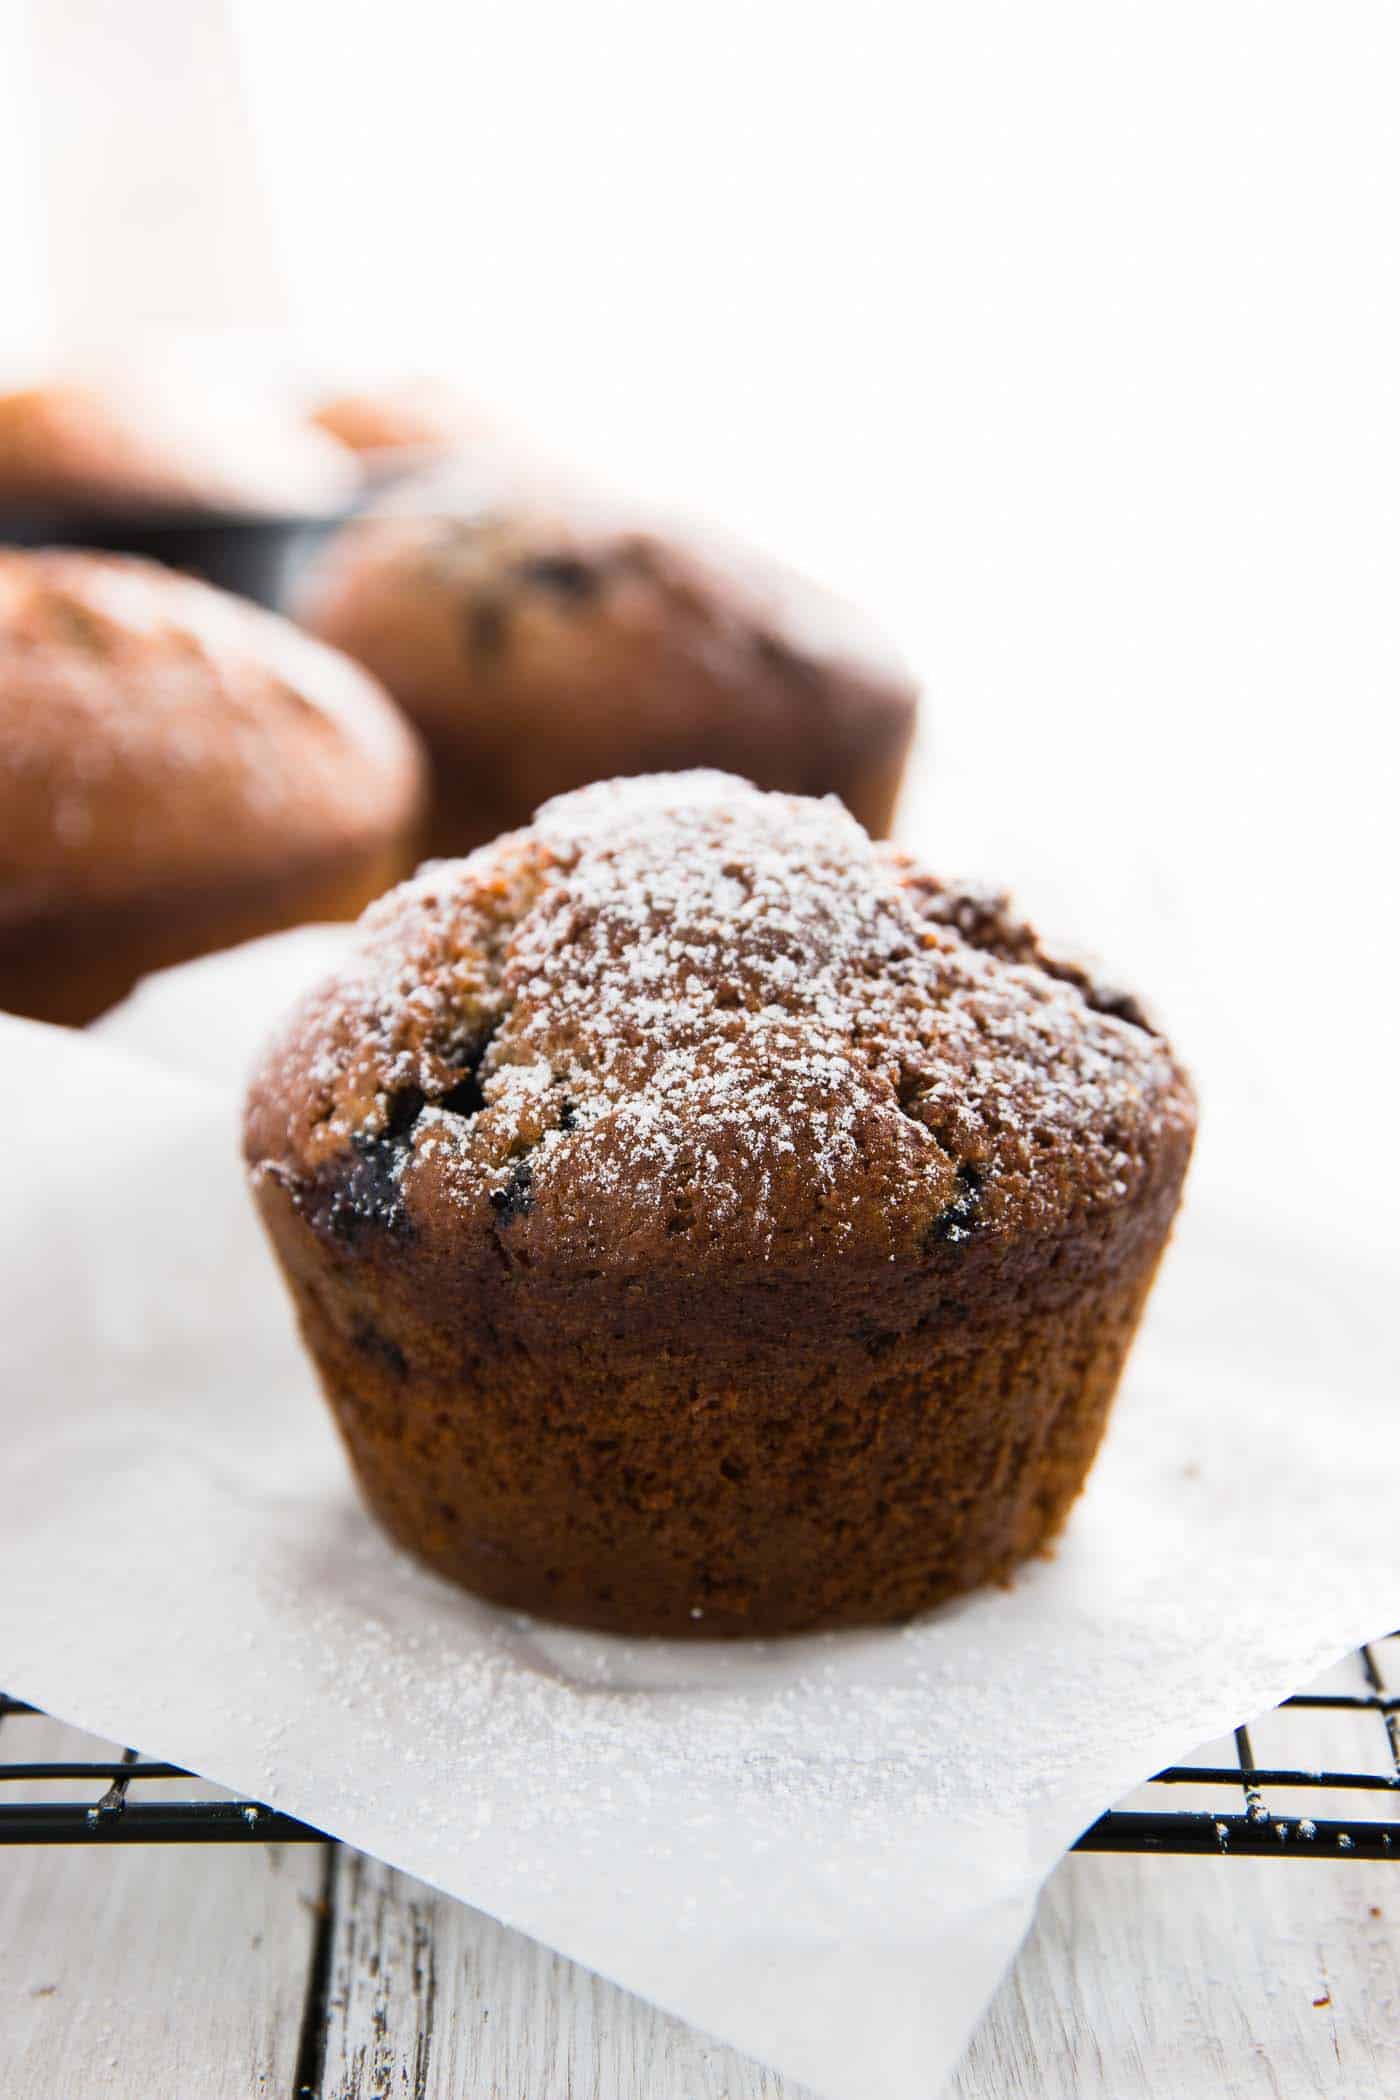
<point>431,2000</point>
<point>1143,1978</point>
<point>1186,1979</point>
<point>1233,1979</point>
<point>136,1972</point>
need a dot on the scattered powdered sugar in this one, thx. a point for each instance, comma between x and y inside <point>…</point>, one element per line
<point>678,996</point>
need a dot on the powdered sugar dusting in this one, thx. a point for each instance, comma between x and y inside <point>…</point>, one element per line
<point>686,1004</point>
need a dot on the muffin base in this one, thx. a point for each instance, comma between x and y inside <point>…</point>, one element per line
<point>651,1456</point>
<point>68,964</point>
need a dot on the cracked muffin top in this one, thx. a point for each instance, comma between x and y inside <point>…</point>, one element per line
<point>544,636</point>
<point>153,728</point>
<point>503,582</point>
<point>678,1021</point>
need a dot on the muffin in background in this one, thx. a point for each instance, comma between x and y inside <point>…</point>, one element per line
<point>541,640</point>
<point>179,771</point>
<point>114,447</point>
<point>706,1221</point>
<point>399,417</point>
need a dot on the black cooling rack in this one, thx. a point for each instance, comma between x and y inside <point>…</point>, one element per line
<point>117,1808</point>
<point>116,1805</point>
<point>1261,1827</point>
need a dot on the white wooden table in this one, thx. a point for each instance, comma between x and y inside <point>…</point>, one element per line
<point>191,1973</point>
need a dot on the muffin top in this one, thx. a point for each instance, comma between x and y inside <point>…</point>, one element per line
<point>152,728</point>
<point>680,1023</point>
<point>505,579</point>
<point>118,445</point>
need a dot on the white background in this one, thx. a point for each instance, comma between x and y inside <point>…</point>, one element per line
<point>1066,337</point>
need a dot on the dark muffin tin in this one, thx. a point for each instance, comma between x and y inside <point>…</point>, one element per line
<point>256,557</point>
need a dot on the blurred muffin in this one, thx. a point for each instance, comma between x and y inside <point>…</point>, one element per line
<point>705,1221</point>
<point>114,447</point>
<point>179,771</point>
<point>541,642</point>
<point>406,416</point>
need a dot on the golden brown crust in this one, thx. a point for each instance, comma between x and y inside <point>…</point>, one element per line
<point>175,764</point>
<point>541,643</point>
<point>689,1216</point>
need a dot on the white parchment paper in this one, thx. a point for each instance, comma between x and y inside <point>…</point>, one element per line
<point>824,1850</point>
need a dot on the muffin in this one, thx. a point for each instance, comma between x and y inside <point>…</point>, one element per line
<point>178,771</point>
<point>420,416</point>
<point>540,645</point>
<point>117,447</point>
<point>706,1221</point>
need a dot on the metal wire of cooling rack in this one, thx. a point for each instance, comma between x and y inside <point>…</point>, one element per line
<point>1259,1830</point>
<point>119,1808</point>
<point>120,1811</point>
